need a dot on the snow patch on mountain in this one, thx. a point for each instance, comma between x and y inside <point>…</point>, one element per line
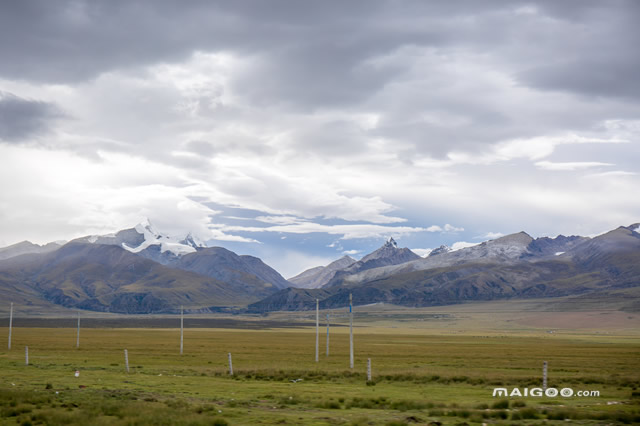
<point>176,245</point>
<point>558,253</point>
<point>637,229</point>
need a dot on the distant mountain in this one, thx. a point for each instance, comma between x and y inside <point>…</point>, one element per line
<point>514,266</point>
<point>108,278</point>
<point>147,242</point>
<point>321,275</point>
<point>27,247</point>
<point>387,255</point>
<point>244,272</point>
<point>440,250</point>
<point>136,270</point>
<point>140,270</point>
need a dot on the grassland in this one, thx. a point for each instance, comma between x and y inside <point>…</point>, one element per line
<point>428,367</point>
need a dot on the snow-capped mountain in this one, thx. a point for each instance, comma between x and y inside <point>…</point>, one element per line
<point>135,270</point>
<point>176,245</point>
<point>440,250</point>
<point>387,255</point>
<point>605,267</point>
<point>146,241</point>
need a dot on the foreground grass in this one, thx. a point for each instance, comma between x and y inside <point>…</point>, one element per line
<point>417,378</point>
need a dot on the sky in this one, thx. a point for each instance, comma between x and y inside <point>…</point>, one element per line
<point>303,131</point>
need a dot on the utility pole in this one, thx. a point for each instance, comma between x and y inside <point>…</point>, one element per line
<point>181,328</point>
<point>327,334</point>
<point>350,330</point>
<point>10,324</point>
<point>317,328</point>
<point>78,333</point>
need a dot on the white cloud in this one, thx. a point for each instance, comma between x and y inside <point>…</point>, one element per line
<point>347,232</point>
<point>462,245</point>
<point>543,146</point>
<point>279,220</point>
<point>446,228</point>
<point>422,252</point>
<point>491,235</point>
<point>149,138</point>
<point>351,252</point>
<point>290,263</point>
<point>570,166</point>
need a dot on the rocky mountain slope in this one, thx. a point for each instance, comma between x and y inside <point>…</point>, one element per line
<point>137,270</point>
<point>320,275</point>
<point>27,247</point>
<point>388,255</point>
<point>514,266</point>
<point>108,278</point>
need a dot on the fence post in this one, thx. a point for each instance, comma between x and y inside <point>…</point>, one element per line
<point>78,333</point>
<point>126,360</point>
<point>26,355</point>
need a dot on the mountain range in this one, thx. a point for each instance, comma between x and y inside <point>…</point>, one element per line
<point>137,270</point>
<point>513,266</point>
<point>141,270</point>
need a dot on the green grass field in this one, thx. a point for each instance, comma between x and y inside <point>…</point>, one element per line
<point>420,376</point>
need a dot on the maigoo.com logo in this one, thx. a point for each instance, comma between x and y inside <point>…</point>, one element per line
<point>539,392</point>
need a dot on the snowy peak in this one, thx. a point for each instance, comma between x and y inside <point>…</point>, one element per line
<point>634,228</point>
<point>192,241</point>
<point>391,243</point>
<point>163,243</point>
<point>388,250</point>
<point>146,240</point>
<point>440,250</point>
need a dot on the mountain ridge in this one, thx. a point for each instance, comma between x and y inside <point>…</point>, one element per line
<point>513,266</point>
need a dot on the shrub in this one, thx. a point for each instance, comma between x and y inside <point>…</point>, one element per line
<point>502,404</point>
<point>529,413</point>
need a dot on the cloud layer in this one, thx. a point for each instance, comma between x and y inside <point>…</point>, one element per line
<point>251,121</point>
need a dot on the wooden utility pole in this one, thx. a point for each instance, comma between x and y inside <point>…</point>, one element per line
<point>327,334</point>
<point>10,324</point>
<point>181,328</point>
<point>317,328</point>
<point>350,330</point>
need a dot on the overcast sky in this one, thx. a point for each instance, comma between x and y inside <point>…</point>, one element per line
<point>299,131</point>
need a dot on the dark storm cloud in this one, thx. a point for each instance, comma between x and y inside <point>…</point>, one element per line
<point>23,118</point>
<point>302,57</point>
<point>311,53</point>
<point>596,54</point>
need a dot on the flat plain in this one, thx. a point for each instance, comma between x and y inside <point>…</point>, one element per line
<point>430,366</point>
